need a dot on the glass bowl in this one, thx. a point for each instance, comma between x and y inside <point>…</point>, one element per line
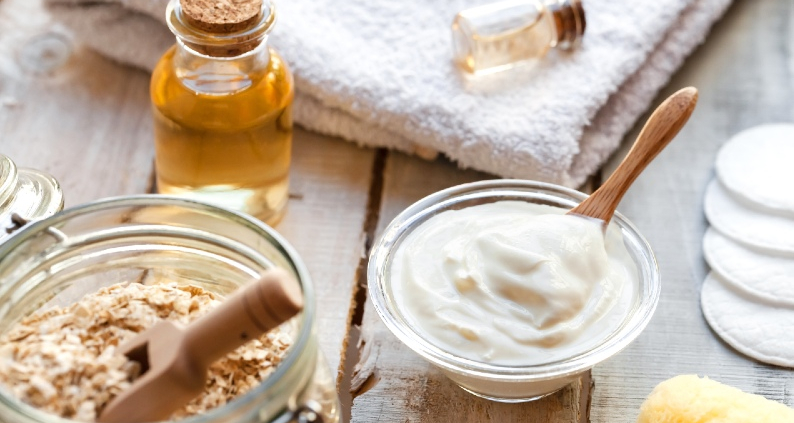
<point>508,383</point>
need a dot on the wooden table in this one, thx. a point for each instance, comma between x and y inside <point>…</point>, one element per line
<point>88,123</point>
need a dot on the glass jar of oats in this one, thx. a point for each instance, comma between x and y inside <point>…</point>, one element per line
<point>153,240</point>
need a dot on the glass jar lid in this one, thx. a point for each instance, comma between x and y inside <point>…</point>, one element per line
<point>25,194</point>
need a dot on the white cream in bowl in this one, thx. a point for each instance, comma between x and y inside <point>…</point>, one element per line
<point>512,300</point>
<point>513,283</point>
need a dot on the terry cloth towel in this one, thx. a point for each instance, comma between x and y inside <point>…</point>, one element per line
<point>379,72</point>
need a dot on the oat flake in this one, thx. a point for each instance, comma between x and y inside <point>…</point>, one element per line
<point>63,360</point>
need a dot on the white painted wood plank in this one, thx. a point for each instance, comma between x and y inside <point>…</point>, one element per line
<point>86,122</point>
<point>325,217</point>
<point>404,387</point>
<point>745,73</point>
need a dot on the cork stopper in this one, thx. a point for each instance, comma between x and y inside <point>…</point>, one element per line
<point>221,16</point>
<point>232,18</point>
<point>569,18</point>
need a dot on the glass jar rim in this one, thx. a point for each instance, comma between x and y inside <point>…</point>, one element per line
<point>633,324</point>
<point>306,321</point>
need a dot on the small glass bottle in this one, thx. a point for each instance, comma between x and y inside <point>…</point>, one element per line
<point>222,103</point>
<point>502,35</point>
<point>25,195</point>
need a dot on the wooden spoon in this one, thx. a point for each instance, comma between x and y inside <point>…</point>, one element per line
<point>659,130</point>
<point>174,360</point>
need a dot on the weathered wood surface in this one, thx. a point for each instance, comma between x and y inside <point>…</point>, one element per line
<point>745,73</point>
<point>87,122</point>
<point>329,186</point>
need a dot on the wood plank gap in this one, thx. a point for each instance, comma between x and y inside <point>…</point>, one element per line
<point>587,384</point>
<point>151,184</point>
<point>351,356</point>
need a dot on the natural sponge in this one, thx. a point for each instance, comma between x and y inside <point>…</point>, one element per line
<point>690,399</point>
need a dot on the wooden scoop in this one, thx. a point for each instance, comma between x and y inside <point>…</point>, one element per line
<point>174,360</point>
<point>659,130</point>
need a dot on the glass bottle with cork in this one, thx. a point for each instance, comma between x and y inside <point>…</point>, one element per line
<point>222,103</point>
<point>502,35</point>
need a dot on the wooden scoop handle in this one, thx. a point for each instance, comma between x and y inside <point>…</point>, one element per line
<point>659,130</point>
<point>245,315</point>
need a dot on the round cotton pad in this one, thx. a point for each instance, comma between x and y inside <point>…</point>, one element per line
<point>747,225</point>
<point>766,277</point>
<point>756,165</point>
<point>754,328</point>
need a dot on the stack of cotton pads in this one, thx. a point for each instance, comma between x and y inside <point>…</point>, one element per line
<point>748,298</point>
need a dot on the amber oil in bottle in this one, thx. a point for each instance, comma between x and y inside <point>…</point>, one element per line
<point>508,33</point>
<point>222,104</point>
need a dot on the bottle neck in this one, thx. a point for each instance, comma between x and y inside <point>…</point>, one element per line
<point>219,75</point>
<point>220,62</point>
<point>569,22</point>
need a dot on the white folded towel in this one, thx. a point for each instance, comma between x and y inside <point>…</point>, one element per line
<point>379,72</point>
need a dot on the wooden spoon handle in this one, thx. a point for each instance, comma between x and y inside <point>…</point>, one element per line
<point>659,130</point>
<point>245,315</point>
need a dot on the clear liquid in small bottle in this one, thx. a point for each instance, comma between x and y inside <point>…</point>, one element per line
<point>502,35</point>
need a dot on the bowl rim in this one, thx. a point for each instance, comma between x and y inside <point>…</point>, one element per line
<point>634,323</point>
